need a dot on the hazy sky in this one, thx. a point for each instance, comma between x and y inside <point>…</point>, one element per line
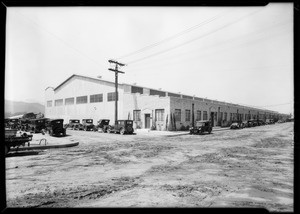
<point>241,55</point>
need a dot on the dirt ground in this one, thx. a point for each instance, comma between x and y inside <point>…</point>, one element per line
<point>251,167</point>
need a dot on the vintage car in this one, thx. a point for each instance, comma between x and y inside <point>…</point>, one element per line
<point>54,127</point>
<point>15,138</point>
<point>73,124</point>
<point>201,126</point>
<point>37,125</point>
<point>13,123</point>
<point>122,127</point>
<point>236,125</point>
<point>24,124</point>
<point>102,125</point>
<point>87,124</point>
<point>252,123</point>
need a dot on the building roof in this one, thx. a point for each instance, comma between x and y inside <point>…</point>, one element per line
<point>120,84</point>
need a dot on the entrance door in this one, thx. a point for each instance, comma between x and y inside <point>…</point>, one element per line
<point>147,121</point>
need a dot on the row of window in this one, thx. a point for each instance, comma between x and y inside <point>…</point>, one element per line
<point>159,115</point>
<point>95,98</point>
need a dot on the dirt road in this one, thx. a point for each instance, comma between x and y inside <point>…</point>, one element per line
<point>252,167</point>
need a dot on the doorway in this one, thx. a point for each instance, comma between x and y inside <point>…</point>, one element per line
<point>212,118</point>
<point>147,121</point>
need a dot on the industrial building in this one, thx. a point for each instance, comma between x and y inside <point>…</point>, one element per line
<point>82,97</point>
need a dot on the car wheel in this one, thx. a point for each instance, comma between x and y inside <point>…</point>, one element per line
<point>122,131</point>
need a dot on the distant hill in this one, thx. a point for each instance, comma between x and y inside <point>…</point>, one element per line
<point>13,108</point>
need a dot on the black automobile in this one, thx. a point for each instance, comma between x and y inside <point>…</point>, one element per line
<point>87,124</point>
<point>74,124</point>
<point>102,125</point>
<point>252,123</point>
<point>13,123</point>
<point>24,124</point>
<point>236,125</point>
<point>55,127</point>
<point>122,127</point>
<point>201,127</point>
<point>37,125</point>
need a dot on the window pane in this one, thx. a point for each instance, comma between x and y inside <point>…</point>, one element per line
<point>58,102</point>
<point>137,115</point>
<point>187,115</point>
<point>82,99</point>
<point>178,115</point>
<point>69,101</point>
<point>111,96</point>
<point>159,114</point>
<point>96,98</point>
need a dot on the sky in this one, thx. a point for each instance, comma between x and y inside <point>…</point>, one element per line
<point>242,55</point>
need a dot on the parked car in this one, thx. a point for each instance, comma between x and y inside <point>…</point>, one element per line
<point>37,125</point>
<point>122,127</point>
<point>87,124</point>
<point>261,122</point>
<point>24,124</point>
<point>253,122</point>
<point>102,126</point>
<point>54,127</point>
<point>269,121</point>
<point>236,125</point>
<point>201,126</point>
<point>73,124</point>
<point>13,123</point>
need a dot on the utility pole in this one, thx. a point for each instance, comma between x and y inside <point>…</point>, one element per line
<point>116,85</point>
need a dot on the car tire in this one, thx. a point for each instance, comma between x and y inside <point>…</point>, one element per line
<point>122,131</point>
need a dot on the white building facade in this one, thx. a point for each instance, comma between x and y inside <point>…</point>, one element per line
<point>81,97</point>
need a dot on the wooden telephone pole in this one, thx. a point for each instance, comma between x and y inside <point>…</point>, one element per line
<point>116,85</point>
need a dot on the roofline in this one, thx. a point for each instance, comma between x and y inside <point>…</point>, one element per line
<point>76,75</point>
<point>221,103</point>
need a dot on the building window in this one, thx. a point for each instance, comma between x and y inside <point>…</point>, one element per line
<point>159,114</point>
<point>204,115</point>
<point>49,103</point>
<point>136,115</point>
<point>230,116</point>
<point>58,102</point>
<point>82,99</point>
<point>135,89</point>
<point>187,115</point>
<point>225,116</point>
<point>111,96</point>
<point>69,101</point>
<point>96,98</point>
<point>198,115</point>
<point>178,115</point>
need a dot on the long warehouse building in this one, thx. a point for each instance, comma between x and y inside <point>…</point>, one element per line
<point>81,97</point>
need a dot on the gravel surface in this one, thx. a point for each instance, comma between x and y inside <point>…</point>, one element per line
<point>251,167</point>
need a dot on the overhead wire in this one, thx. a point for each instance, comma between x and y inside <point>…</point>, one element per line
<point>192,40</point>
<point>171,37</point>
<point>60,39</point>
<point>205,48</point>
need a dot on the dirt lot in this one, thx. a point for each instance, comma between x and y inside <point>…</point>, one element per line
<point>251,167</point>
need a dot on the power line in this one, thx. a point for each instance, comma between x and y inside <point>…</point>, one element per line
<point>205,48</point>
<point>276,105</point>
<point>172,37</point>
<point>68,45</point>
<point>195,39</point>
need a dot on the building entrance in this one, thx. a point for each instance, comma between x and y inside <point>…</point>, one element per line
<point>147,121</point>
